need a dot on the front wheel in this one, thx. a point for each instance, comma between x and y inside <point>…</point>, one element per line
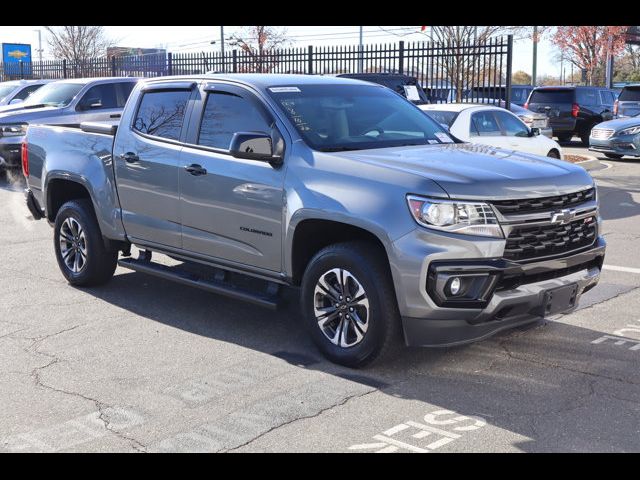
<point>349,303</point>
<point>553,154</point>
<point>82,256</point>
<point>614,156</point>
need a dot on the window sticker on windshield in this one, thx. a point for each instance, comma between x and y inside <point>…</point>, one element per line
<point>411,92</point>
<point>284,89</point>
<point>443,137</point>
<point>432,141</point>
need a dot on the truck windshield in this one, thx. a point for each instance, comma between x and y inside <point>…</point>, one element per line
<point>355,117</point>
<point>55,94</point>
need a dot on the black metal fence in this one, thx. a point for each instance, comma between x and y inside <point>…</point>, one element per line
<point>449,72</point>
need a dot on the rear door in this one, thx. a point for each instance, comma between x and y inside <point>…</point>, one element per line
<point>556,104</point>
<point>484,128</point>
<point>517,134</point>
<point>146,157</point>
<point>629,101</point>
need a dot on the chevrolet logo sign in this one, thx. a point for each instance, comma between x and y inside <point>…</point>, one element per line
<point>563,216</point>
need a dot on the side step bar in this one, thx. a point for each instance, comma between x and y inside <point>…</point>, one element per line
<point>185,277</point>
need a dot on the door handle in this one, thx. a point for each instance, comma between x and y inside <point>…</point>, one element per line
<point>130,157</point>
<point>115,115</point>
<point>196,170</point>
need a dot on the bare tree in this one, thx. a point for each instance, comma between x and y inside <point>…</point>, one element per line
<point>78,44</point>
<point>260,44</point>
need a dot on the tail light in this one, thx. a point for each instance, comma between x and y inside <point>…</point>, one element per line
<point>575,108</point>
<point>526,105</point>
<point>25,159</point>
<point>615,108</point>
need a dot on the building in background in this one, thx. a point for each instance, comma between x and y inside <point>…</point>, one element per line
<point>134,61</point>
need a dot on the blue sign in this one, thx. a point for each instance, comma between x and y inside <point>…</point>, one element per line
<point>12,55</point>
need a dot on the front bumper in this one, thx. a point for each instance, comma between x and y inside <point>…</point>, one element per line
<point>518,297</point>
<point>619,145</point>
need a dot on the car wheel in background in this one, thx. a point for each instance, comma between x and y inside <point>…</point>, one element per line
<point>584,136</point>
<point>614,156</point>
<point>565,137</point>
<point>82,256</point>
<point>349,303</point>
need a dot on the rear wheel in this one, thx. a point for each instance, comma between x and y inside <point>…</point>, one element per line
<point>349,303</point>
<point>584,136</point>
<point>565,137</point>
<point>614,156</point>
<point>82,256</point>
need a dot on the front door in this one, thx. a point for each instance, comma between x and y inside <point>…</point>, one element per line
<point>147,165</point>
<point>231,208</point>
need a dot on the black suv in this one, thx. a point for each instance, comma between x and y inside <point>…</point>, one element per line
<point>399,83</point>
<point>628,103</point>
<point>573,110</point>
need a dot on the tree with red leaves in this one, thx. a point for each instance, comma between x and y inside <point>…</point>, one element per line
<point>587,47</point>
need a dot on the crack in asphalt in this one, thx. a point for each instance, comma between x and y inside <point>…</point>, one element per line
<point>304,417</point>
<point>101,406</point>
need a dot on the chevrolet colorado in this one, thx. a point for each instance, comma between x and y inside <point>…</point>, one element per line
<point>343,188</point>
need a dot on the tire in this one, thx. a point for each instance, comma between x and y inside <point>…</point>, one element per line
<point>565,137</point>
<point>96,265</point>
<point>364,266</point>
<point>584,136</point>
<point>614,156</point>
<point>553,154</point>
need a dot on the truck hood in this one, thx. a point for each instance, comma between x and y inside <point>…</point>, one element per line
<point>479,172</point>
<point>28,114</point>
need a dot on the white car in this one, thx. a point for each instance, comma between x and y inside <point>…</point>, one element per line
<point>494,126</point>
<point>17,91</point>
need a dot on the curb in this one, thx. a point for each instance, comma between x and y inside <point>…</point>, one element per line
<point>592,163</point>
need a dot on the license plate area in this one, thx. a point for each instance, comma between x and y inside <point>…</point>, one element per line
<point>560,299</point>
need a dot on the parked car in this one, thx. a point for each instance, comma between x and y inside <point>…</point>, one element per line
<point>391,228</point>
<point>65,102</point>
<point>494,126</point>
<point>519,93</point>
<point>572,110</point>
<point>440,90</point>
<point>617,138</point>
<point>17,91</point>
<point>628,102</point>
<point>407,86</point>
<point>531,119</point>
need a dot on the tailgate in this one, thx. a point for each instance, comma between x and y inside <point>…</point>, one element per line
<point>556,104</point>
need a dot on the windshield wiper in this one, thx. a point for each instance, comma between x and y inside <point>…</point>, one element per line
<point>339,149</point>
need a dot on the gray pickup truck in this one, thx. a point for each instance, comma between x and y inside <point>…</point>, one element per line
<point>343,188</point>
<point>64,103</point>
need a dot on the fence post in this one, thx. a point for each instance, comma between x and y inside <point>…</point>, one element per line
<point>64,68</point>
<point>234,60</point>
<point>169,64</point>
<point>401,57</point>
<point>21,69</point>
<point>507,97</point>
<point>310,60</point>
<point>113,65</point>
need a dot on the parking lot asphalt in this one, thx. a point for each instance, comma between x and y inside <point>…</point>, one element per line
<point>142,364</point>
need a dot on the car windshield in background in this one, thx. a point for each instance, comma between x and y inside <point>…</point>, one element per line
<point>355,117</point>
<point>442,117</point>
<point>627,94</point>
<point>551,96</point>
<point>6,90</point>
<point>54,94</point>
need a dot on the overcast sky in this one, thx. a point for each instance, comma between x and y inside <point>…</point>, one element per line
<point>195,39</point>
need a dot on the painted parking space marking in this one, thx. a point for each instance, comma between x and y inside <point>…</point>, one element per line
<point>72,432</point>
<point>385,443</point>
<point>623,337</point>
<point>635,344</point>
<point>621,269</point>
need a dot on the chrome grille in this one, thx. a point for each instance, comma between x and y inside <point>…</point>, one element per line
<point>602,133</point>
<point>508,207</point>
<point>533,242</point>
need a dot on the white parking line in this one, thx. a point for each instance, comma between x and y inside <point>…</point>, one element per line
<point>621,269</point>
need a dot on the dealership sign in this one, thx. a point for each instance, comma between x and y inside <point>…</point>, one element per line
<point>14,54</point>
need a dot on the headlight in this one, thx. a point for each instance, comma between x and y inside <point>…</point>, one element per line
<point>469,218</point>
<point>630,131</point>
<point>16,130</point>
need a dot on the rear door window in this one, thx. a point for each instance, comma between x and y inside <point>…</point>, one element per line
<point>125,90</point>
<point>630,94</point>
<point>552,96</point>
<point>607,97</point>
<point>484,124</point>
<point>161,113</point>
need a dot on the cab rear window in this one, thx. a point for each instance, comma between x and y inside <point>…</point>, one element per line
<point>630,94</point>
<point>552,96</point>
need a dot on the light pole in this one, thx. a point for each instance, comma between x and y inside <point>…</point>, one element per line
<point>535,56</point>
<point>360,49</point>
<point>39,49</point>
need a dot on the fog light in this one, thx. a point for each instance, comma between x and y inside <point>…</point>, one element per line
<point>454,286</point>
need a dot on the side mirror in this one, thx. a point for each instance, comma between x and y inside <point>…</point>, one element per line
<point>535,131</point>
<point>254,146</point>
<point>90,103</point>
<point>15,101</point>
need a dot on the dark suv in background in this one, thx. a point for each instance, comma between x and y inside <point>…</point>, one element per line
<point>402,84</point>
<point>573,110</point>
<point>628,103</point>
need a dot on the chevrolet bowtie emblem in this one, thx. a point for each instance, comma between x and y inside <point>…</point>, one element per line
<point>563,216</point>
